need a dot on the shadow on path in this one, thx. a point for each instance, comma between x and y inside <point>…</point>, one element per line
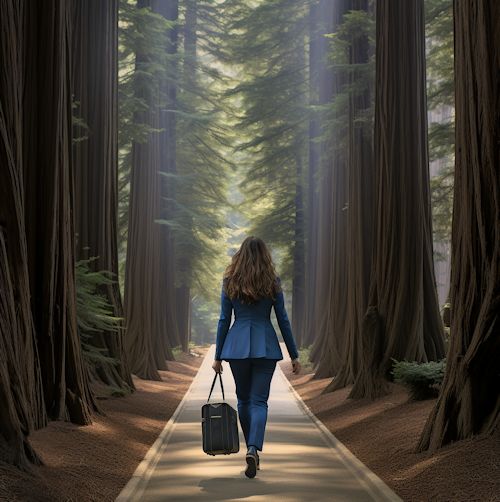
<point>300,460</point>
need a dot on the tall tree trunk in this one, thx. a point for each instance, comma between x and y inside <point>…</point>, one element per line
<point>330,298</point>
<point>298,283</point>
<point>143,270</point>
<point>176,296</point>
<point>469,402</point>
<point>317,51</point>
<point>298,252</point>
<point>360,181</point>
<point>21,394</point>
<point>20,390</point>
<point>95,80</point>
<point>150,301</point>
<point>49,183</point>
<point>402,287</point>
<point>183,193</point>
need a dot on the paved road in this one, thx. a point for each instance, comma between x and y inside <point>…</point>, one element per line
<point>301,460</point>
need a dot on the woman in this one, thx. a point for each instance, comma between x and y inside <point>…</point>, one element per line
<point>250,287</point>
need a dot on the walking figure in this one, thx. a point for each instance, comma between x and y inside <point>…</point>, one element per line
<point>251,287</point>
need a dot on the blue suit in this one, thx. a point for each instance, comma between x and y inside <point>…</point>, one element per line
<point>252,333</point>
<point>252,349</point>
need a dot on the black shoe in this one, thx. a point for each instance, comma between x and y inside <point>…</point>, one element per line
<point>252,459</point>
<point>258,458</point>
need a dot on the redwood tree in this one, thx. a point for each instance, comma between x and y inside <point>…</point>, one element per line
<point>49,202</point>
<point>42,373</point>
<point>175,297</point>
<point>21,396</point>
<point>94,80</point>
<point>404,309</point>
<point>146,280</point>
<point>329,296</point>
<point>469,402</point>
<point>360,189</point>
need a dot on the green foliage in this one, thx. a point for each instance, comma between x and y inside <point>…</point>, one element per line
<point>94,312</point>
<point>353,79</point>
<point>202,152</point>
<point>197,188</point>
<point>440,102</point>
<point>143,32</point>
<point>118,392</point>
<point>304,359</point>
<point>266,43</point>
<point>176,351</point>
<point>421,379</point>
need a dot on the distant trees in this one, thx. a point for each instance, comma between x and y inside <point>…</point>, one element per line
<point>440,94</point>
<point>203,141</point>
<point>146,265</point>
<point>172,171</point>
<point>267,43</point>
<point>440,99</point>
<point>330,279</point>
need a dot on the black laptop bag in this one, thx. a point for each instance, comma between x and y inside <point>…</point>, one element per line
<point>219,426</point>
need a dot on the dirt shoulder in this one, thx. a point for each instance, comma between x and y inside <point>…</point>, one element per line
<point>383,434</point>
<point>93,463</point>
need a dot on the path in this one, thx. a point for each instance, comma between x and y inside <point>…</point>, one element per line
<point>301,460</point>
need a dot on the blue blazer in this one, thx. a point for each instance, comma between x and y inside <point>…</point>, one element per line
<point>252,334</point>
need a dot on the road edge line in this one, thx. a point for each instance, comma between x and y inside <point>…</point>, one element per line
<point>375,485</point>
<point>137,483</point>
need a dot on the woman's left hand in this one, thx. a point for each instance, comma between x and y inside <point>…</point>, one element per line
<point>217,366</point>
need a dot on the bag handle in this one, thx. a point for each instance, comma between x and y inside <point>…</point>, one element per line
<point>213,383</point>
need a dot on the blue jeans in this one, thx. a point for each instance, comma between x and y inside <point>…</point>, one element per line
<point>252,377</point>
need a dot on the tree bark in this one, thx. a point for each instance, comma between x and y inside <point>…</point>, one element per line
<point>49,183</point>
<point>176,294</point>
<point>360,208</point>
<point>331,277</point>
<point>21,393</point>
<point>95,80</point>
<point>402,285</point>
<point>469,402</point>
<point>150,304</point>
<point>317,51</point>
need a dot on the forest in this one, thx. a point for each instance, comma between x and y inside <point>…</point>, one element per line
<point>142,140</point>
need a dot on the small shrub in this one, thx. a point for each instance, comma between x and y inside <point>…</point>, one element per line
<point>118,392</point>
<point>176,352</point>
<point>421,379</point>
<point>306,365</point>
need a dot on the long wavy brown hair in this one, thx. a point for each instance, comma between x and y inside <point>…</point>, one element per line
<point>251,274</point>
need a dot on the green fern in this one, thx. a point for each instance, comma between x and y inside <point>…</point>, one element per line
<point>421,379</point>
<point>94,312</point>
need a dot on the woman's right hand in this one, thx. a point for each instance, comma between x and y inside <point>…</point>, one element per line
<point>296,366</point>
